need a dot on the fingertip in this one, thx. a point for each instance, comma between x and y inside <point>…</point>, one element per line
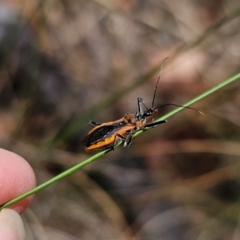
<point>16,178</point>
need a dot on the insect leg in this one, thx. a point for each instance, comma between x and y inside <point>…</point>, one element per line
<point>154,124</point>
<point>111,147</point>
<point>94,124</point>
<point>140,108</point>
<point>128,141</point>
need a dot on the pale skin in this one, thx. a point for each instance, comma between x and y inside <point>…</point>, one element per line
<point>16,177</point>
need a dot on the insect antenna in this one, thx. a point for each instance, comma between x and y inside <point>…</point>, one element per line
<point>168,104</point>
<point>156,86</point>
<point>176,105</point>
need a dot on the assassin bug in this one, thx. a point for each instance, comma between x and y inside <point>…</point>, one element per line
<point>108,135</point>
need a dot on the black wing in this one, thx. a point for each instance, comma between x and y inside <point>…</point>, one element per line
<point>99,134</point>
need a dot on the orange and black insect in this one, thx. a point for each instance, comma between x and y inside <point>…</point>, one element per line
<point>107,135</point>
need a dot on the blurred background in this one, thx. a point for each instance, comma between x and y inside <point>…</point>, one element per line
<point>63,63</point>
